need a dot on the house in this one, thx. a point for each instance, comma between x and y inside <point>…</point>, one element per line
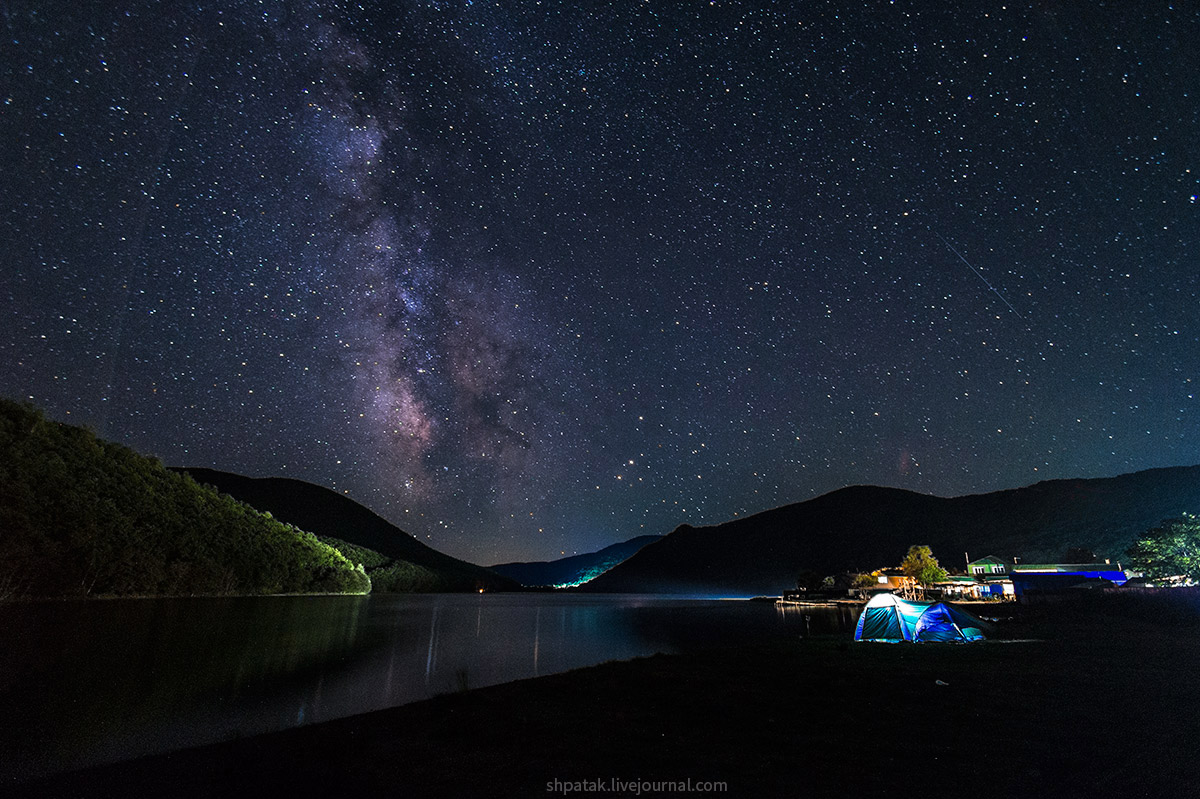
<point>976,586</point>
<point>890,581</point>
<point>987,566</point>
<point>1036,581</point>
<point>883,581</point>
<point>985,578</point>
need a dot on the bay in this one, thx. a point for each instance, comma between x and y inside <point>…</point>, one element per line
<point>90,682</point>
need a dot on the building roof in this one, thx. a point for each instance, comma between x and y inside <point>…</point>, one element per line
<point>1064,568</point>
<point>974,579</point>
<point>988,559</point>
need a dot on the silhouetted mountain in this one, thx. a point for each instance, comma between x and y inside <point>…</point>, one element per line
<point>80,516</point>
<point>328,514</point>
<point>573,570</point>
<point>867,527</point>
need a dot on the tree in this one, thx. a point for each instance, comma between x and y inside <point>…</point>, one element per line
<point>1079,555</point>
<point>1170,550</point>
<point>922,566</point>
<point>809,580</point>
<point>866,580</point>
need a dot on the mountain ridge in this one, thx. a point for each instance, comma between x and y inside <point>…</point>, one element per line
<point>868,527</point>
<point>575,569</point>
<point>326,513</point>
<point>81,516</point>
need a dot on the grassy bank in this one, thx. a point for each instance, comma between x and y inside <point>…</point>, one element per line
<point>1097,702</point>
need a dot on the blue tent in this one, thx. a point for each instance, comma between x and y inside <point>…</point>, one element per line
<point>887,617</point>
<point>947,624</point>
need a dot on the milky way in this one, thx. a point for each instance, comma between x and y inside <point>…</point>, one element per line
<point>534,278</point>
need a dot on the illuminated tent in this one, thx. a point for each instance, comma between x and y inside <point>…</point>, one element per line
<point>887,617</point>
<point>946,624</point>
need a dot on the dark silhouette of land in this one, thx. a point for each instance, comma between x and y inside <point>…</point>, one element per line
<point>867,527</point>
<point>80,517</point>
<point>328,514</point>
<point>575,569</point>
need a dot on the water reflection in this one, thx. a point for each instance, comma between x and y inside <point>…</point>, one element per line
<point>537,634</point>
<point>89,682</point>
<point>820,619</point>
<point>432,645</point>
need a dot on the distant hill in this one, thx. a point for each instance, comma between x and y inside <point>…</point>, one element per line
<point>326,513</point>
<point>80,516</point>
<point>867,527</point>
<point>573,570</point>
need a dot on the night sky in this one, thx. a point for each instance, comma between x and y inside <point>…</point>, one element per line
<point>529,278</point>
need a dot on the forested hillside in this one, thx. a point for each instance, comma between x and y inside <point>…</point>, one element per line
<point>407,565</point>
<point>80,516</point>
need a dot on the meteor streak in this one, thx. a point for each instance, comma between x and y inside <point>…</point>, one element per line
<point>980,274</point>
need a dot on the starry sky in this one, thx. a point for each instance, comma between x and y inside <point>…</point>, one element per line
<point>533,278</point>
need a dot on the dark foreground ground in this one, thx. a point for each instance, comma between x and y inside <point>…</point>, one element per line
<point>1105,703</point>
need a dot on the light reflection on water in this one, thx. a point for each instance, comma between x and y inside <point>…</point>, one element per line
<point>820,619</point>
<point>89,682</point>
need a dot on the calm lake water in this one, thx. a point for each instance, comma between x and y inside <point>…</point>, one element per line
<point>90,682</point>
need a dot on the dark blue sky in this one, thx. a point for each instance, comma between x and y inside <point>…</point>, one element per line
<point>534,278</point>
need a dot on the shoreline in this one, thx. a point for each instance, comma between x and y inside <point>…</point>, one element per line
<point>1095,704</point>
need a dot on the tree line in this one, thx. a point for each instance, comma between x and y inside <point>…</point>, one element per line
<point>80,516</point>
